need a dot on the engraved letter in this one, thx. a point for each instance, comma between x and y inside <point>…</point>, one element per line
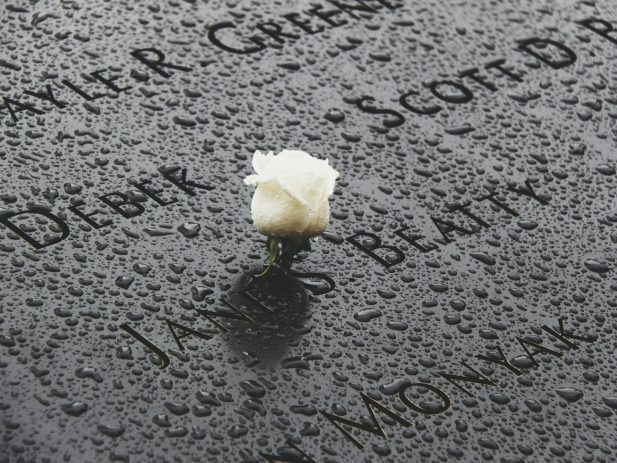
<point>373,245</point>
<point>5,219</point>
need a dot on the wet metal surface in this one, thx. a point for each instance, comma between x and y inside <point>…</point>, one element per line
<point>461,306</point>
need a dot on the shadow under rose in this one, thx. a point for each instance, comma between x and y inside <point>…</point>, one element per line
<point>277,306</point>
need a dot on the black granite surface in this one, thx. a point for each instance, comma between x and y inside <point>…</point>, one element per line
<point>461,306</point>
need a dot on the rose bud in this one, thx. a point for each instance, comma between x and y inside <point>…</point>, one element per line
<point>291,199</point>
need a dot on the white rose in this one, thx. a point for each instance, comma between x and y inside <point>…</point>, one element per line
<point>291,199</point>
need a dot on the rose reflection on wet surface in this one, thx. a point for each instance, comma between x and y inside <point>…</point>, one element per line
<point>278,307</point>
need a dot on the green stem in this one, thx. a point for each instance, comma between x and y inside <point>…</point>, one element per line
<point>284,257</point>
<point>272,243</point>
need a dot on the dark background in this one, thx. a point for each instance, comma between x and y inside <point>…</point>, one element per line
<point>76,387</point>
